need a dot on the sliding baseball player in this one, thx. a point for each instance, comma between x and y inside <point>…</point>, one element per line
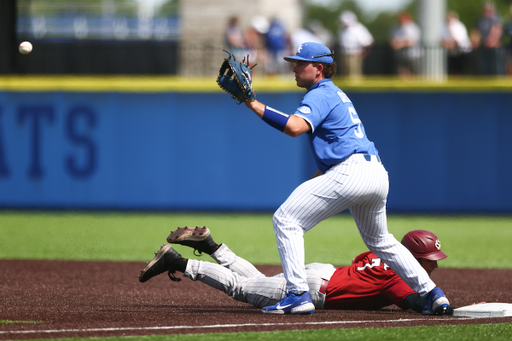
<point>368,283</point>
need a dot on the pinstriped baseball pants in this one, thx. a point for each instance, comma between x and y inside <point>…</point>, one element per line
<point>242,281</point>
<point>360,186</point>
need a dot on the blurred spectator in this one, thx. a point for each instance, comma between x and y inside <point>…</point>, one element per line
<point>486,38</point>
<point>235,39</point>
<point>507,30</point>
<point>355,42</point>
<point>302,35</point>
<point>455,39</point>
<point>277,44</point>
<point>255,41</point>
<point>405,39</point>
<point>326,37</point>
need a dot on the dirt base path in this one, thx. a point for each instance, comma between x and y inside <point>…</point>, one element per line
<point>92,299</point>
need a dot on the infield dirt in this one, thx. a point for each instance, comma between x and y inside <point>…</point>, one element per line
<point>92,299</point>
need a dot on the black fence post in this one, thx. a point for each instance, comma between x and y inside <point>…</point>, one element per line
<point>8,43</point>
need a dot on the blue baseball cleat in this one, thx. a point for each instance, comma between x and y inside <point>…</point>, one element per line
<point>292,304</point>
<point>436,303</point>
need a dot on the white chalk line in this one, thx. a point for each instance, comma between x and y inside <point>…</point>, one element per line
<point>200,327</point>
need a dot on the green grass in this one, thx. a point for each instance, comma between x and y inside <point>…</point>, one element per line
<point>494,332</point>
<point>126,236</point>
<point>21,322</point>
<point>471,241</point>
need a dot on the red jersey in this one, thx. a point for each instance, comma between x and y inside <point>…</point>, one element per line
<point>368,283</point>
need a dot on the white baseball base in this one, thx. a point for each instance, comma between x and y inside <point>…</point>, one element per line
<point>484,310</point>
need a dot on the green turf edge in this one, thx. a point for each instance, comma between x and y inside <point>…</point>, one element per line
<point>14,321</point>
<point>135,236</point>
<point>474,332</point>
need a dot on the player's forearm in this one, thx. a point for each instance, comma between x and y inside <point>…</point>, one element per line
<point>257,107</point>
<point>414,302</point>
<point>291,125</point>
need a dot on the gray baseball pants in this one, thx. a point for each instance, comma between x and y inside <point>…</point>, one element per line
<point>242,281</point>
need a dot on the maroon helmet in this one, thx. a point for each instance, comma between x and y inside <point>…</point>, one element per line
<point>423,244</point>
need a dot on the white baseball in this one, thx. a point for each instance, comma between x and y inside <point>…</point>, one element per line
<point>25,47</point>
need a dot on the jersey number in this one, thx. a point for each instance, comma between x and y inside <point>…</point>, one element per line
<point>375,262</point>
<point>353,116</point>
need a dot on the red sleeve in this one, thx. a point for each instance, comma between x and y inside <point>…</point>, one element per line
<point>369,283</point>
<point>396,290</point>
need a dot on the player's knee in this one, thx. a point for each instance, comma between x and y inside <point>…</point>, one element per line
<point>276,219</point>
<point>280,219</point>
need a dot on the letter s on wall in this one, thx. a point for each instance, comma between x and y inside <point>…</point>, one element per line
<point>84,168</point>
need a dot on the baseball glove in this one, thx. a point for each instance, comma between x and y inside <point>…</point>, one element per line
<point>236,79</point>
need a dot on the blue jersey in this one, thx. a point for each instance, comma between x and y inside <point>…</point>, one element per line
<point>336,130</point>
<point>276,37</point>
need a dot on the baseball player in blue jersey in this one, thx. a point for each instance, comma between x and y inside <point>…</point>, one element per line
<point>350,176</point>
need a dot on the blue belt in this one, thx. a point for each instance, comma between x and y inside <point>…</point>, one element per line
<point>368,157</point>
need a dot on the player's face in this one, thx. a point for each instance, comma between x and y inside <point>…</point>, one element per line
<point>306,75</point>
<point>428,265</point>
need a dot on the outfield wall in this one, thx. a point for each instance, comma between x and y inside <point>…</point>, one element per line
<point>162,146</point>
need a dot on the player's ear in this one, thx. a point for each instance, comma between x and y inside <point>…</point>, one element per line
<point>320,68</point>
